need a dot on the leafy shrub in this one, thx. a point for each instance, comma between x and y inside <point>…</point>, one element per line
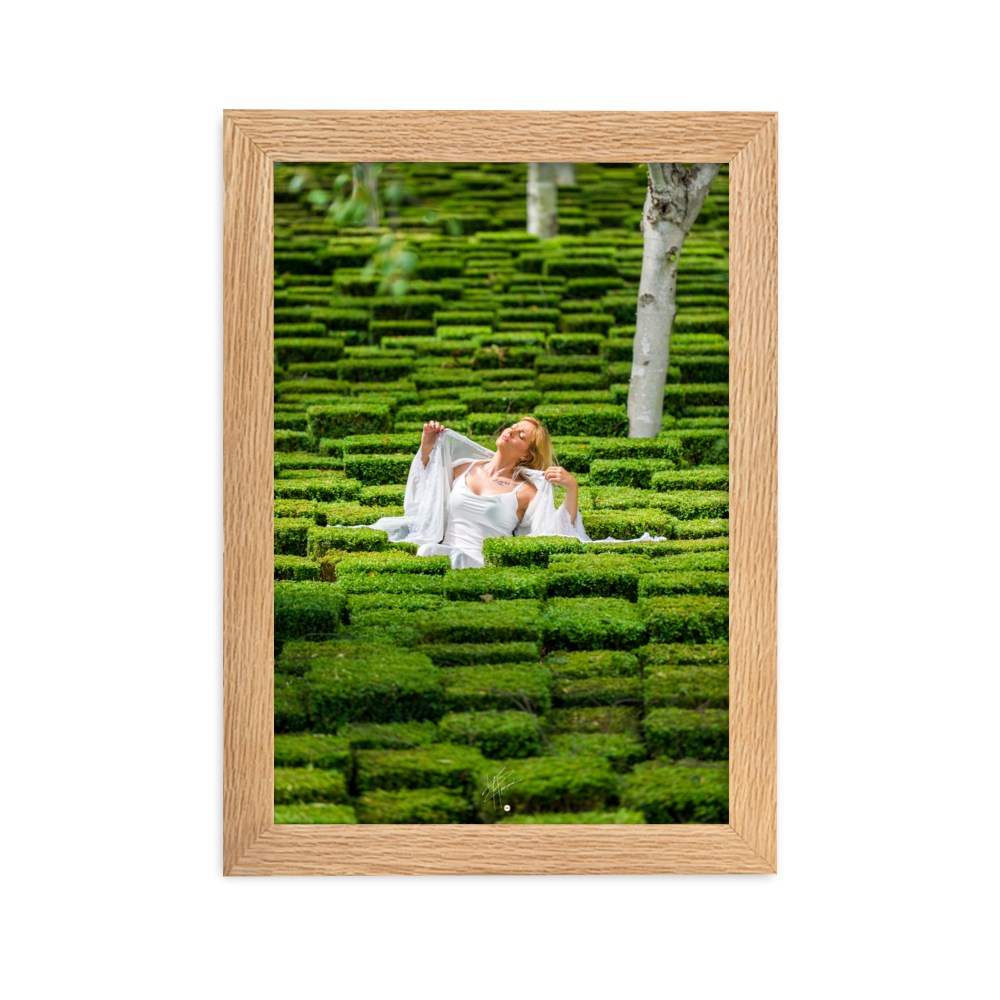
<point>570,691</point>
<point>305,607</point>
<point>595,419</point>
<point>634,472</point>
<point>380,444</point>
<point>306,784</point>
<point>378,369</point>
<point>437,765</point>
<point>363,563</point>
<point>556,363</point>
<point>498,686</point>
<point>501,621</point>
<point>388,735</point>
<point>629,523</point>
<point>334,514</point>
<point>326,489</point>
<point>581,267</point>
<point>378,470</point>
<point>389,685</point>
<point>667,793</point>
<point>621,750</point>
<point>524,550</point>
<point>703,527</point>
<point>322,540</point>
<point>286,440</point>
<point>312,750</point>
<point>591,623</point>
<point>606,817</point>
<point>419,805</point>
<point>439,410</point>
<point>684,582</point>
<point>575,343</point>
<point>295,568</point>
<point>494,733</point>
<point>669,685</point>
<point>595,575</point>
<point>340,421</point>
<point>684,733</point>
<point>458,654</point>
<point>588,322</point>
<point>389,583</point>
<point>548,382</point>
<point>388,495</point>
<point>314,812</point>
<point>289,350</point>
<point>592,663</point>
<point>495,583</point>
<point>291,535</point>
<point>686,618</point>
<point>658,654</point>
<point>383,329</point>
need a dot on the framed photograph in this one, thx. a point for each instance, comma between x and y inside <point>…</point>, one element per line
<point>254,141</point>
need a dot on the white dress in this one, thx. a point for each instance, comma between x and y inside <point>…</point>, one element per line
<point>432,500</point>
<point>471,519</point>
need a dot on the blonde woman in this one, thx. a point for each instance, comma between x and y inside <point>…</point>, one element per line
<point>459,493</point>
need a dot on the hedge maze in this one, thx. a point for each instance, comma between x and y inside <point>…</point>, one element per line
<point>593,677</point>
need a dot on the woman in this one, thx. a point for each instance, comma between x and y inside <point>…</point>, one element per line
<point>459,493</point>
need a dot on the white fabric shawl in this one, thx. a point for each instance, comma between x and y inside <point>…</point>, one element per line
<point>428,491</point>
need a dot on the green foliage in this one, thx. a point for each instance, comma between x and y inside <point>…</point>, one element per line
<point>629,523</point>
<point>685,733</point>
<point>288,567</point>
<point>437,765</point>
<point>306,784</point>
<point>378,470</point>
<point>524,550</point>
<point>495,583</point>
<point>327,489</point>
<point>389,562</point>
<point>345,514</point>
<point>420,805</point>
<point>684,582</point>
<point>494,733</point>
<point>633,472</point>
<point>602,817</point>
<point>343,420</point>
<point>388,735</point>
<point>621,750</point>
<point>667,793</point>
<point>459,654</point>
<point>380,444</point>
<point>686,618</point>
<point>504,686</point>
<point>591,623</point>
<point>305,607</point>
<point>595,419</point>
<point>312,750</point>
<point>592,663</point>
<point>314,812</point>
<point>321,540</point>
<point>291,535</point>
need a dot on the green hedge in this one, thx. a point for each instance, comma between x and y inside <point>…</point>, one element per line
<point>686,505</point>
<point>291,535</point>
<point>624,524</point>
<point>593,663</point>
<point>458,654</point>
<point>322,540</point>
<point>495,583</point>
<point>421,805</point>
<point>634,472</point>
<point>292,567</point>
<point>306,784</point>
<point>312,750</point>
<point>667,793</point>
<point>522,550</point>
<point>501,621</point>
<point>502,686</point>
<point>559,363</point>
<point>391,583</point>
<point>315,812</point>
<point>685,733</point>
<point>588,322</point>
<point>703,527</point>
<point>672,685</point>
<point>433,410</point>
<point>322,490</point>
<point>595,575</point>
<point>621,750</point>
<point>302,386</point>
<point>384,329</point>
<point>679,653</point>
<point>334,514</point>
<point>596,419</point>
<point>580,267</point>
<point>388,735</point>
<point>565,783</point>
<point>406,307</point>
<point>709,477</point>
<point>567,381</point>
<point>289,440</point>
<point>378,470</point>
<point>389,685</point>
<point>381,444</point>
<point>364,563</point>
<point>373,369</point>
<point>686,618</point>
<point>343,420</point>
<point>591,623</point>
<point>288,350</point>
<point>494,733</point>
<point>389,495</point>
<point>596,691</point>
<point>305,607</point>
<point>575,343</point>
<point>684,582</point>
<point>438,765</point>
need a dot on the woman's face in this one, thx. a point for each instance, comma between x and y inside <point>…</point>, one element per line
<point>515,441</point>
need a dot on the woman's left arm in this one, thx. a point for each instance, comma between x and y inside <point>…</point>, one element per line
<point>558,476</point>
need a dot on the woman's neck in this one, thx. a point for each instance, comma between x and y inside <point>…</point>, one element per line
<point>499,467</point>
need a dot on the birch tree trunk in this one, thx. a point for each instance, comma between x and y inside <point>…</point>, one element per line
<point>543,213</point>
<point>371,186</point>
<point>674,196</point>
<point>565,173</point>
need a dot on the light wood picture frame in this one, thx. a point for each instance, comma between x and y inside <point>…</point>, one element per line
<point>253,141</point>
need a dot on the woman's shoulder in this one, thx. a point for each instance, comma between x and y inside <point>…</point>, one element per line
<point>528,488</point>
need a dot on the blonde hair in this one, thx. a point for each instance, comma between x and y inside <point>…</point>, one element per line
<point>541,455</point>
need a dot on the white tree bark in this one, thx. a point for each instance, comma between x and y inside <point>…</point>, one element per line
<point>565,173</point>
<point>674,196</point>
<point>543,213</point>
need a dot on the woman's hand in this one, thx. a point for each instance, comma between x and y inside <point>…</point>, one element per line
<point>429,436</point>
<point>558,476</point>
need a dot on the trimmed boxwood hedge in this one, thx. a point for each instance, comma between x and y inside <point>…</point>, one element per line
<point>342,420</point>
<point>389,583</point>
<point>364,563</point>
<point>593,663</point>
<point>291,535</point>
<point>307,784</point>
<point>672,685</point>
<point>684,582</point>
<point>524,550</point>
<point>621,750</point>
<point>380,444</point>
<point>629,523</point>
<point>458,654</point>
<point>437,765</point>
<point>305,607</point>
<point>465,621</point>
<point>707,477</point>
<point>378,470</point>
<point>503,686</point>
<point>683,732</point>
<point>669,793</point>
<point>686,618</point>
<point>594,419</point>
<point>328,489</point>
<point>312,750</point>
<point>418,805</point>
<point>321,540</point>
<point>595,575</point>
<point>290,567</point>
<point>334,514</point>
<point>591,623</point>
<point>495,583</point>
<point>633,472</point>
<point>657,654</point>
<point>494,733</point>
<point>314,812</point>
